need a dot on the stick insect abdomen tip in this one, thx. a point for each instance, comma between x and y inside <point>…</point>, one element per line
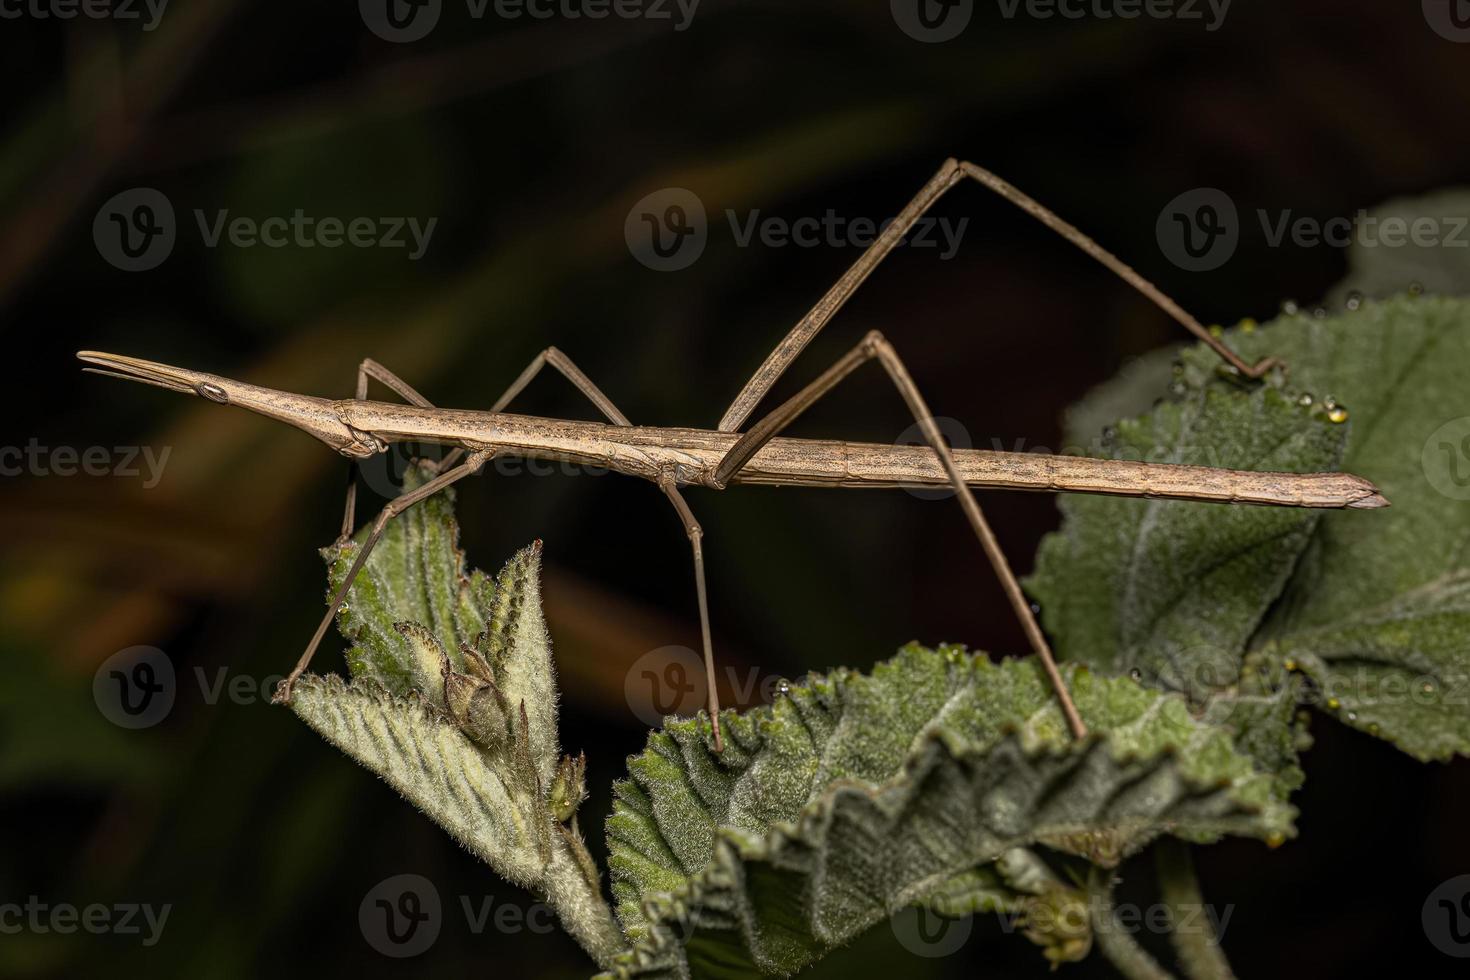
<point>1373,501</point>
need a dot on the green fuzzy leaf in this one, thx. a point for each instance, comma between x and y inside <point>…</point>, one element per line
<point>416,573</point>
<point>1439,266</point>
<point>853,797</point>
<point>415,600</point>
<point>420,753</point>
<point>1173,590</point>
<point>453,703</point>
<point>1367,605</point>
<point>1376,612</point>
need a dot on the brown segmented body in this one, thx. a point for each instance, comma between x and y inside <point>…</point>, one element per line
<point>691,455</point>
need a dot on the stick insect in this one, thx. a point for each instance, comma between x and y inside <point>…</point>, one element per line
<point>673,458</point>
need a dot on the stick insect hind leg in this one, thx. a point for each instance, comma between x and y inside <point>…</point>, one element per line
<point>875,346</point>
<point>776,363</point>
<point>950,174</point>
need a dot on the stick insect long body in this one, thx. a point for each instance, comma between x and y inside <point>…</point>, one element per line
<point>675,458</point>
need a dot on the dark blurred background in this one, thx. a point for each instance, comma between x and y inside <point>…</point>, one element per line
<point>530,141</point>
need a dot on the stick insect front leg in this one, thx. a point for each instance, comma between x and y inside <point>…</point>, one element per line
<point>875,346</point>
<point>370,369</point>
<point>395,507</point>
<point>586,386</point>
<point>950,174</point>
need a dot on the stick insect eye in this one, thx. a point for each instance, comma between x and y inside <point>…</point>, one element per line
<point>213,392</point>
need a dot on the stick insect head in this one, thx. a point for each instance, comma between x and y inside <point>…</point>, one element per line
<point>317,416</point>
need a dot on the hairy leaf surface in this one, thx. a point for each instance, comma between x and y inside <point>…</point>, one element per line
<point>1368,606</point>
<point>853,797</point>
<point>1376,613</point>
<point>453,703</point>
<point>1173,590</point>
<point>417,575</point>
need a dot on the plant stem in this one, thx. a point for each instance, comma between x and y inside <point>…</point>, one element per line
<point>1131,959</point>
<point>584,913</point>
<point>1196,942</point>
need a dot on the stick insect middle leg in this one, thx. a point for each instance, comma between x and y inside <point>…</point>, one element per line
<point>692,528</point>
<point>874,345</point>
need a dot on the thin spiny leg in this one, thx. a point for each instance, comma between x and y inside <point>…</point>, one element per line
<point>594,394</point>
<point>875,346</point>
<point>371,369</point>
<point>951,173</point>
<point>696,538</point>
<point>395,507</point>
